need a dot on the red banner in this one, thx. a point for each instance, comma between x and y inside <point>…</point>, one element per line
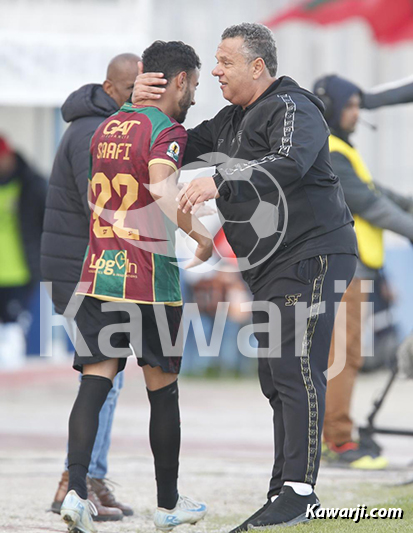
<point>391,20</point>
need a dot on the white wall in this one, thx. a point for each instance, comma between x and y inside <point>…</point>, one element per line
<point>31,131</point>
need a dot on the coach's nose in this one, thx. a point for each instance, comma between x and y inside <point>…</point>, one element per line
<point>217,70</point>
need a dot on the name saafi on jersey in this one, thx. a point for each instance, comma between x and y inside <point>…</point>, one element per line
<point>113,150</point>
<point>131,252</point>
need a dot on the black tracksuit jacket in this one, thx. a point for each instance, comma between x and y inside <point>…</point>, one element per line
<point>284,134</point>
<point>66,222</point>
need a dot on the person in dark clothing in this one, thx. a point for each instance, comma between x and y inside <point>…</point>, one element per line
<point>65,238</point>
<point>22,204</point>
<point>275,143</point>
<point>374,209</point>
<point>66,226</point>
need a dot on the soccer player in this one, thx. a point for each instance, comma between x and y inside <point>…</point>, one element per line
<point>64,241</point>
<point>276,128</point>
<point>130,262</point>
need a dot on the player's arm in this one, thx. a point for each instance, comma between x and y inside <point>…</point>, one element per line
<point>164,190</point>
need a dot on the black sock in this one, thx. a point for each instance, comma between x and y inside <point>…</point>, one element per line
<point>83,426</point>
<point>165,439</point>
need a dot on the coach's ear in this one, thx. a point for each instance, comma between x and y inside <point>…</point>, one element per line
<point>258,67</point>
<point>181,80</point>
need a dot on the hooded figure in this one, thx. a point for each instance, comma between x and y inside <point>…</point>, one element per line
<point>335,92</point>
<point>65,238</point>
<point>374,209</point>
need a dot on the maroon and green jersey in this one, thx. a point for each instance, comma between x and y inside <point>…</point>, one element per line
<point>131,252</point>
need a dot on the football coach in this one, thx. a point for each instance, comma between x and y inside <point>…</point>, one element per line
<point>275,128</point>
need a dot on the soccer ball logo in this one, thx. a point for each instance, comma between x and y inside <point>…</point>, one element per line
<point>262,215</point>
<point>262,219</point>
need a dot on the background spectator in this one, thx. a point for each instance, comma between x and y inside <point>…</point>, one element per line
<point>22,202</point>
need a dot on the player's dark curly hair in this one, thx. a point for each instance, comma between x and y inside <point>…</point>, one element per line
<point>171,58</point>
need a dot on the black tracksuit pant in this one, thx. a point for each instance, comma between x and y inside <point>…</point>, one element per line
<point>292,369</point>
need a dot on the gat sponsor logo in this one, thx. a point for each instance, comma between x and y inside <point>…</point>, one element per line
<point>116,126</point>
<point>107,266</point>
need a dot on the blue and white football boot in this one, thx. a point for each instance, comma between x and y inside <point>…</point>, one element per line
<point>187,511</point>
<point>77,514</point>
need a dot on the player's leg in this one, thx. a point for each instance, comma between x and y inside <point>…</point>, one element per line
<point>98,490</point>
<point>99,462</point>
<point>98,371</point>
<point>161,372</point>
<point>84,420</point>
<point>164,432</point>
<point>83,425</point>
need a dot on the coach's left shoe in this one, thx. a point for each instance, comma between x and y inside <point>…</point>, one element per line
<point>187,511</point>
<point>289,509</point>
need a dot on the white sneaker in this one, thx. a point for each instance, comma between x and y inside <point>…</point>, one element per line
<point>77,514</point>
<point>187,511</point>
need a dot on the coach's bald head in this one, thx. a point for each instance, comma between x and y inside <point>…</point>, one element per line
<point>120,77</point>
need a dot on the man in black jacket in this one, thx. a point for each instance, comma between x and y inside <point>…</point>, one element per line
<point>374,208</point>
<point>22,203</point>
<point>65,238</point>
<point>274,144</point>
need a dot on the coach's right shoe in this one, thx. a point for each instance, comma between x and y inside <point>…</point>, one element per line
<point>244,526</point>
<point>289,509</point>
<point>77,513</point>
<point>187,511</point>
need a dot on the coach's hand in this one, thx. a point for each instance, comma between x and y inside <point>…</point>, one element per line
<point>194,193</point>
<point>144,87</point>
